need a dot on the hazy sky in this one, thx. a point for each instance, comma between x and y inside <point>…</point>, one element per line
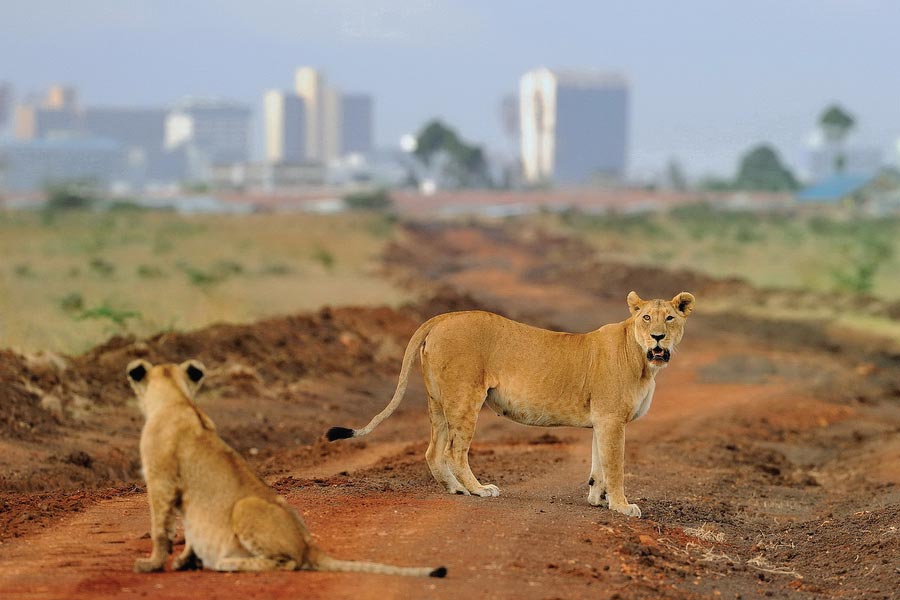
<point>708,78</point>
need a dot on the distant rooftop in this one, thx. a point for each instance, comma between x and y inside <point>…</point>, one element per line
<point>833,189</point>
<point>588,78</point>
<point>189,103</point>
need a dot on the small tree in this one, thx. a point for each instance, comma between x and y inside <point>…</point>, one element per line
<point>761,169</point>
<point>464,165</point>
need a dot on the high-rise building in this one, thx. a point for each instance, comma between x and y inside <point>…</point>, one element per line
<point>574,126</point>
<point>61,97</point>
<point>209,132</point>
<point>6,101</point>
<point>322,105</point>
<point>284,120</point>
<point>356,123</point>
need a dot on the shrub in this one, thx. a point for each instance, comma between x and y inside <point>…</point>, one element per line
<point>378,200</point>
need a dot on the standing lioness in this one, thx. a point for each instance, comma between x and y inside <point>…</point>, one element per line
<point>232,520</point>
<point>602,379</point>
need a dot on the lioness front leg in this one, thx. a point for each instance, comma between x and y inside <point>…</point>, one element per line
<point>610,435</point>
<point>597,481</point>
<point>162,517</point>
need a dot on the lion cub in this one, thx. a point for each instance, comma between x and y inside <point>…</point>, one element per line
<point>602,380</point>
<point>232,520</point>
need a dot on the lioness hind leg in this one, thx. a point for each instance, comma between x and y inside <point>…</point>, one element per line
<point>597,480</point>
<point>462,430</point>
<point>436,455</point>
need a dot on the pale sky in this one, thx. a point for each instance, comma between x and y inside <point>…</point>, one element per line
<point>708,78</point>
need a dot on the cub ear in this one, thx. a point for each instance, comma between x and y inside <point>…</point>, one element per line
<point>137,370</point>
<point>684,303</point>
<point>195,372</point>
<point>634,302</point>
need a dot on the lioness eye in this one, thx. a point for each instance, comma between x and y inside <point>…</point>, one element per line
<point>646,317</point>
<point>670,318</point>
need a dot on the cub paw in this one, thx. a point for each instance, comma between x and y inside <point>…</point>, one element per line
<point>629,510</point>
<point>487,491</point>
<point>147,565</point>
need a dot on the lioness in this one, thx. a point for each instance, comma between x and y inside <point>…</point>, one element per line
<point>602,379</point>
<point>232,520</point>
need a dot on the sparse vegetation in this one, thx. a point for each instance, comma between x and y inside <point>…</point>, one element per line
<point>175,270</point>
<point>819,253</point>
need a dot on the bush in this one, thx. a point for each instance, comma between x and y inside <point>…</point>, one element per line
<point>69,196</point>
<point>324,257</point>
<point>378,200</point>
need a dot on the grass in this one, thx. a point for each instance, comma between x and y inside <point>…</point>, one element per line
<point>815,253</point>
<point>68,283</point>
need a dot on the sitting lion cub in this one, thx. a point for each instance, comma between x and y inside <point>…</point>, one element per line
<point>232,520</point>
<point>602,379</point>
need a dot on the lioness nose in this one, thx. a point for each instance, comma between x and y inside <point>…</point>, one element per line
<point>657,336</point>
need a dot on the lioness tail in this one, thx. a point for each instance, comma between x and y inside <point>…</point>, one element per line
<point>418,338</point>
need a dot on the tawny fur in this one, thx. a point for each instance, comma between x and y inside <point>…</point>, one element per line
<point>602,380</point>
<point>232,520</point>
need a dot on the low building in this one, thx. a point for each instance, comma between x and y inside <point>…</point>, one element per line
<point>267,176</point>
<point>33,165</point>
<point>875,195</point>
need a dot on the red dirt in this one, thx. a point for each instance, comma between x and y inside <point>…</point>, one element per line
<point>768,466</point>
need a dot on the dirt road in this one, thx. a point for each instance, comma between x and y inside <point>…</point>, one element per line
<point>768,465</point>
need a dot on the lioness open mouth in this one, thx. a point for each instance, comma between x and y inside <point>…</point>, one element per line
<point>658,354</point>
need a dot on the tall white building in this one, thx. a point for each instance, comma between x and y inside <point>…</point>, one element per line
<point>284,119</point>
<point>574,126</point>
<point>322,104</point>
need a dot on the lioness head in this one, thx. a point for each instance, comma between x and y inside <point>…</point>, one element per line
<point>161,380</point>
<point>659,324</point>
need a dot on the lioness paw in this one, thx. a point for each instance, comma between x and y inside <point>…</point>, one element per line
<point>629,510</point>
<point>487,491</point>
<point>596,497</point>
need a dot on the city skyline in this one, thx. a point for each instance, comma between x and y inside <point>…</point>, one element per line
<point>708,79</point>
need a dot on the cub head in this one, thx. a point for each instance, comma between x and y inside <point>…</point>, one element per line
<point>659,324</point>
<point>150,381</point>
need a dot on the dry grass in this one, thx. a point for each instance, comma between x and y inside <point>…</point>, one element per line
<point>816,253</point>
<point>69,283</point>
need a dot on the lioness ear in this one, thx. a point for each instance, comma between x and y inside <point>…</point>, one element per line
<point>634,302</point>
<point>195,373</point>
<point>684,303</point>
<point>137,371</point>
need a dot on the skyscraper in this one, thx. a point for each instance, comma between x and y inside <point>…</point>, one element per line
<point>210,132</point>
<point>322,105</point>
<point>284,120</point>
<point>574,126</point>
<point>6,100</point>
<point>356,123</point>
